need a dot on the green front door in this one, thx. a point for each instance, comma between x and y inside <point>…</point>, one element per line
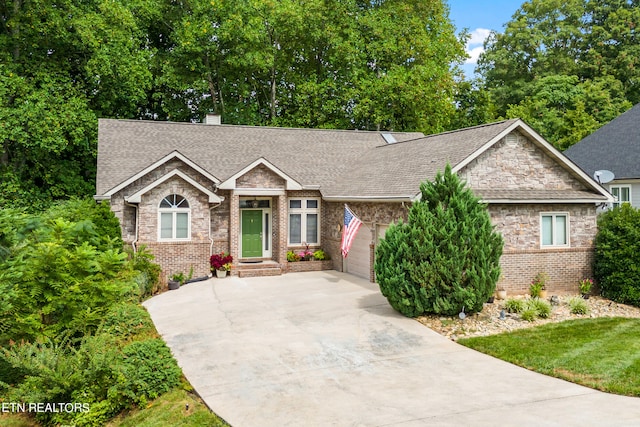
<point>251,234</point>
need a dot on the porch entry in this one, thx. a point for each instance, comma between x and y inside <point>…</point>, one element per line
<point>255,227</point>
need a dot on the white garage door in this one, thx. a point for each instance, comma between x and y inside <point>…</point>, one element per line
<point>358,261</point>
<point>358,258</point>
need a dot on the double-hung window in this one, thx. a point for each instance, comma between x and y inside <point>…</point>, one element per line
<point>174,218</point>
<point>554,229</point>
<point>304,221</point>
<point>622,193</point>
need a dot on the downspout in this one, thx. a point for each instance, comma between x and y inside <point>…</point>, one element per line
<point>135,241</point>
<point>210,236</point>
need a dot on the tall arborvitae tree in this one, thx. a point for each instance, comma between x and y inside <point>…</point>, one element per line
<point>446,258</point>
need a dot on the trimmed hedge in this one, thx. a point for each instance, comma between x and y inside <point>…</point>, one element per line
<point>617,255</point>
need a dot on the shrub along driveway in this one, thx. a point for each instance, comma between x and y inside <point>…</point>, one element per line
<point>320,349</point>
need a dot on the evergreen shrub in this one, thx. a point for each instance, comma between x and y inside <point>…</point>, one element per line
<point>445,258</point>
<point>617,255</point>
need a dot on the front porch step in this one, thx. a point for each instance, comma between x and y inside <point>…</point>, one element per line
<point>256,269</point>
<point>258,272</point>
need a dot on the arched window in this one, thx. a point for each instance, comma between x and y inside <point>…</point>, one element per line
<point>174,218</point>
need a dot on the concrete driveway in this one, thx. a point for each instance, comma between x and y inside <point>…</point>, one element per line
<point>326,349</point>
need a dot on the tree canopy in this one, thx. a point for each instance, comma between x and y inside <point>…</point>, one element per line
<point>386,64</point>
<point>566,67</point>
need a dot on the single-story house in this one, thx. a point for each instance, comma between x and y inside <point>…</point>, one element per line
<point>188,190</point>
<point>615,147</point>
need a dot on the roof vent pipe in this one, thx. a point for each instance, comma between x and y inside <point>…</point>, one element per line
<point>213,119</point>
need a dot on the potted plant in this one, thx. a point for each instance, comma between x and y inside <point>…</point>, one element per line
<point>585,287</point>
<point>537,289</point>
<point>176,280</point>
<point>221,263</point>
<point>501,293</point>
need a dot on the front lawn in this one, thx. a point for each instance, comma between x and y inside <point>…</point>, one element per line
<point>601,353</point>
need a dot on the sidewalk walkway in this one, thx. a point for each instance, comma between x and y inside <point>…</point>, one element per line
<point>326,349</point>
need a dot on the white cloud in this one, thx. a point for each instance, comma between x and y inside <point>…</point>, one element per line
<point>474,54</point>
<point>478,36</point>
<point>474,45</point>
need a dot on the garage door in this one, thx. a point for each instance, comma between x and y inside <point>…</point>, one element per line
<point>358,260</point>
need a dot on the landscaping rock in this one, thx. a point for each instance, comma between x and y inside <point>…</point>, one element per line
<point>488,322</point>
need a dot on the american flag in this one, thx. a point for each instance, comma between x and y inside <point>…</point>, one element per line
<point>351,226</point>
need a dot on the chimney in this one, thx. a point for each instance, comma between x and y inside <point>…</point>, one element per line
<point>212,119</point>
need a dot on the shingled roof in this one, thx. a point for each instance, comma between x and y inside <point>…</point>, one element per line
<point>396,170</point>
<point>347,165</point>
<point>310,156</point>
<point>615,147</point>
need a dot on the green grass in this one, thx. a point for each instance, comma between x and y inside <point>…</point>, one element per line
<point>169,410</point>
<point>599,353</point>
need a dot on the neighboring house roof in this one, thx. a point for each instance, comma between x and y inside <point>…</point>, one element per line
<point>343,165</point>
<point>615,147</point>
<point>309,156</point>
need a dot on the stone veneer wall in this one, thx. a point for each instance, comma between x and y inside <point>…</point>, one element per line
<point>371,214</point>
<point>260,177</point>
<point>523,257</point>
<point>516,163</point>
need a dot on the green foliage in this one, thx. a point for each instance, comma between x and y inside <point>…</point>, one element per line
<point>445,258</point>
<point>566,67</point>
<point>127,321</point>
<point>147,275</point>
<point>312,64</point>
<point>108,370</point>
<point>68,297</point>
<point>578,305</point>
<point>61,272</point>
<point>59,371</point>
<point>293,257</point>
<point>529,314</point>
<point>320,255</point>
<point>103,221</point>
<point>541,307</point>
<point>64,64</point>
<point>147,371</point>
<point>617,254</point>
<point>514,305</point>
<point>538,284</point>
<point>585,286</point>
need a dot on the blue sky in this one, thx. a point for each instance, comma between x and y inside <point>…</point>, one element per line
<point>480,17</point>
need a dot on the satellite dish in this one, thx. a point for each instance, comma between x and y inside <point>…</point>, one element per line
<point>603,176</point>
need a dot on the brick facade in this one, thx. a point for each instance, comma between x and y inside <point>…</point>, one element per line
<point>371,214</point>
<point>512,163</point>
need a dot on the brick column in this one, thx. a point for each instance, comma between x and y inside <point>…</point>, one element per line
<point>281,257</point>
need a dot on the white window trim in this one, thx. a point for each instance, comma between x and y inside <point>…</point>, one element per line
<point>619,187</point>
<point>567,230</point>
<point>174,212</point>
<point>303,211</point>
